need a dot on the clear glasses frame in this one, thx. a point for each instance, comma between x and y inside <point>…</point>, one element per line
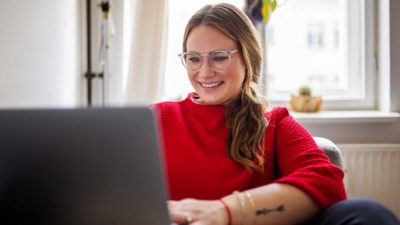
<point>217,60</point>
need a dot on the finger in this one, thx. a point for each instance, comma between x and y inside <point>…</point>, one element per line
<point>171,203</point>
<point>180,217</point>
<point>188,200</point>
<point>183,205</point>
<point>176,217</point>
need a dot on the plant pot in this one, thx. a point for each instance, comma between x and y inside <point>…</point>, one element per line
<point>305,103</point>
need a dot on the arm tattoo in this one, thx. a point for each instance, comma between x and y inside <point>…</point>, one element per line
<point>265,211</point>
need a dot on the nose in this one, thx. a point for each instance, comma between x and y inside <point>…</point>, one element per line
<point>206,70</point>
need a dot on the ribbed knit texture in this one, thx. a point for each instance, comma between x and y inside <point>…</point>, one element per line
<point>194,140</point>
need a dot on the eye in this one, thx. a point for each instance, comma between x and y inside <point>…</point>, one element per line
<point>220,56</point>
<point>191,58</point>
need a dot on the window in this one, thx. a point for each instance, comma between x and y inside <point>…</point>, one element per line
<point>327,45</point>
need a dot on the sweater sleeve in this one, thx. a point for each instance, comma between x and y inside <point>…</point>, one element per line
<point>302,164</point>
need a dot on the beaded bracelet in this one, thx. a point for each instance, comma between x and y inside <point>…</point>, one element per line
<point>228,211</point>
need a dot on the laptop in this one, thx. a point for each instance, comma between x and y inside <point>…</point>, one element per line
<point>81,166</point>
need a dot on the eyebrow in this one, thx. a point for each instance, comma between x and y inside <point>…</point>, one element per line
<point>217,50</point>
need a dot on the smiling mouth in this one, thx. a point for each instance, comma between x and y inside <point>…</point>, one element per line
<point>211,85</point>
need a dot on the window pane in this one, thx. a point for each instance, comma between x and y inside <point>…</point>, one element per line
<point>316,43</point>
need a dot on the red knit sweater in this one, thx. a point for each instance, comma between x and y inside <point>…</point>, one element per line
<point>194,138</point>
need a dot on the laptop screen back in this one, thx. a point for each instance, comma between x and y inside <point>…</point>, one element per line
<point>81,166</point>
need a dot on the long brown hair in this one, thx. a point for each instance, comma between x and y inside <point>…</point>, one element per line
<point>245,115</point>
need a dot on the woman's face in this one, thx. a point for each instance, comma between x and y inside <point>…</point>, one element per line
<point>215,86</point>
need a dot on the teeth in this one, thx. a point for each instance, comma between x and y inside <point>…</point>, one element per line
<point>210,85</point>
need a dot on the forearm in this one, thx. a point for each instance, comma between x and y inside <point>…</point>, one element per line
<point>271,204</point>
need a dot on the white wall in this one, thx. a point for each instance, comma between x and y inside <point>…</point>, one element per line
<point>40,58</point>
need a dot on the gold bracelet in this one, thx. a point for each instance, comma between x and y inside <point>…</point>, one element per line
<point>242,207</point>
<point>253,206</point>
<point>251,200</point>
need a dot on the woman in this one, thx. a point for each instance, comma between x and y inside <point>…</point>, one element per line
<point>228,161</point>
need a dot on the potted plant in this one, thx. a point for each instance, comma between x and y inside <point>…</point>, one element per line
<point>304,101</point>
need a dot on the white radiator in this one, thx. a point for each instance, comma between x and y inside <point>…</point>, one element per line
<point>373,171</point>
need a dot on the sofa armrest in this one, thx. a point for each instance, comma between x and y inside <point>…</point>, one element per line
<point>331,150</point>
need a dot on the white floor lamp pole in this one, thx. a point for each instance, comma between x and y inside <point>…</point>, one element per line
<point>105,8</point>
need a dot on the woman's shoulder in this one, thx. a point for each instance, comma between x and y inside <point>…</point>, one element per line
<point>170,106</point>
<point>166,106</point>
<point>277,114</point>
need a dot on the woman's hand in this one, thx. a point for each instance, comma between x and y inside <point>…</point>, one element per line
<point>197,212</point>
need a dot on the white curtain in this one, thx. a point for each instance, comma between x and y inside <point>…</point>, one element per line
<point>144,59</point>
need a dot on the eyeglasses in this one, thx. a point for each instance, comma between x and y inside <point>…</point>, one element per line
<point>217,60</point>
